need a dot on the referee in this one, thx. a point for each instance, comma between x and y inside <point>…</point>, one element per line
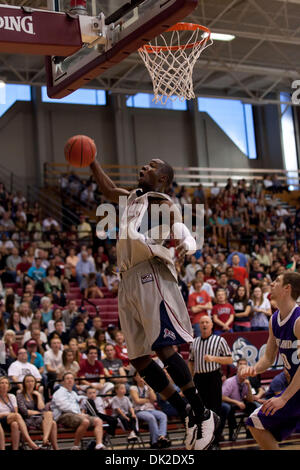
<point>208,353</point>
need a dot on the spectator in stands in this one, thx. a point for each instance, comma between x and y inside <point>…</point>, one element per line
<point>11,347</point>
<point>222,314</point>
<point>19,368</point>
<point>143,399</point>
<point>113,366</point>
<point>12,262</point>
<point>46,309</point>
<point>191,269</point>
<point>70,313</point>
<point>67,412</point>
<point>50,224</point>
<point>111,279</point>
<point>205,285</point>
<point>74,346</point>
<point>123,410</point>
<point>37,335</point>
<point>261,311</point>
<point>15,324</point>
<point>242,310</point>
<point>83,268</point>
<point>96,325</point>
<point>26,315</point>
<point>236,395</point>
<point>69,364</point>
<point>92,372</point>
<point>32,408</point>
<point>199,303</point>
<point>57,315</point>
<point>215,190</point>
<point>92,291</point>
<point>34,357</point>
<point>84,229</point>
<point>59,332</point>
<point>71,262</point>
<point>37,274</point>
<point>80,333</point>
<point>257,273</point>
<point>53,360</point>
<point>10,419</point>
<point>223,284</point>
<point>95,406</point>
<point>28,296</point>
<point>210,275</point>
<point>121,349</point>
<point>52,281</point>
<point>240,273</point>
<point>100,338</point>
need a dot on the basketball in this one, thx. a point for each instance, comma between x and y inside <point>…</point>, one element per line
<point>80,151</point>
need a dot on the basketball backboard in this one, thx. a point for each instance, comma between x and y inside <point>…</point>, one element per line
<point>109,39</point>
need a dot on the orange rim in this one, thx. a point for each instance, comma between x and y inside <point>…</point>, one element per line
<point>179,27</point>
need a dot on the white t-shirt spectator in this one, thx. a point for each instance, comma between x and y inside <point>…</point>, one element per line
<point>53,360</point>
<point>20,369</point>
<point>48,222</point>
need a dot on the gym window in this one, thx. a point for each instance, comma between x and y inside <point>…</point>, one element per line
<point>235,119</point>
<point>80,96</point>
<point>9,94</point>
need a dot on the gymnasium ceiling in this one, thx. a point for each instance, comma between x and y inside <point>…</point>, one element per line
<point>263,59</point>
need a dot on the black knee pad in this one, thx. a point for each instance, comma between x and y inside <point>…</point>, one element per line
<point>154,375</point>
<point>178,370</point>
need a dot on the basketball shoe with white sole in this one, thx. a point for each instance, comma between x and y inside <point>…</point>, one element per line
<point>199,436</point>
<point>206,430</point>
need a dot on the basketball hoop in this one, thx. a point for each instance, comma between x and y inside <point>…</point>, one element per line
<point>170,60</point>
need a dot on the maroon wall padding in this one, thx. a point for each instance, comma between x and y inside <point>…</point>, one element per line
<point>168,17</point>
<point>38,32</point>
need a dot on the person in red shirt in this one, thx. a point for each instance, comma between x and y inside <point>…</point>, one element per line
<point>199,303</point>
<point>92,372</point>
<point>222,314</point>
<point>240,273</point>
<point>22,268</point>
<point>121,349</point>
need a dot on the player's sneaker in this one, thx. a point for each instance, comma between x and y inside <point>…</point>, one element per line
<point>191,429</point>
<point>206,430</point>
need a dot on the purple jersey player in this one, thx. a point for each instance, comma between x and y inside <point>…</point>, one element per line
<point>279,416</point>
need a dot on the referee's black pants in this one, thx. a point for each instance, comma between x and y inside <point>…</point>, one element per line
<point>209,386</point>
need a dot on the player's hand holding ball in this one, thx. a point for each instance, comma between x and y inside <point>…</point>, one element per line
<point>80,151</point>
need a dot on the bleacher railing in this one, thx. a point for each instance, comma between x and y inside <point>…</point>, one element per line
<point>126,175</point>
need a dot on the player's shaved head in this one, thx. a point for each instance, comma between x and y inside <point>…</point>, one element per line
<point>166,170</point>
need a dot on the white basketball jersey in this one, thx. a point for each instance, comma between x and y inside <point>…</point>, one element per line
<point>135,246</point>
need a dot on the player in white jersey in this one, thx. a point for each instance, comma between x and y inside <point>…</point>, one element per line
<point>152,312</point>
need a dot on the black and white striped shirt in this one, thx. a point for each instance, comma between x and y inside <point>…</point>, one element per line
<point>213,345</point>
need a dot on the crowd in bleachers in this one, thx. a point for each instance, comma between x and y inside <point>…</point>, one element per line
<point>58,287</point>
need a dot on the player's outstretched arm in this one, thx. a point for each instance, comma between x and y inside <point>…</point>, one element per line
<point>106,185</point>
<point>266,360</point>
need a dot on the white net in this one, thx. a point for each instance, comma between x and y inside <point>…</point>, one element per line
<point>170,62</point>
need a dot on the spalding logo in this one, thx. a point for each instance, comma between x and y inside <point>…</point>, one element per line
<point>17,23</point>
